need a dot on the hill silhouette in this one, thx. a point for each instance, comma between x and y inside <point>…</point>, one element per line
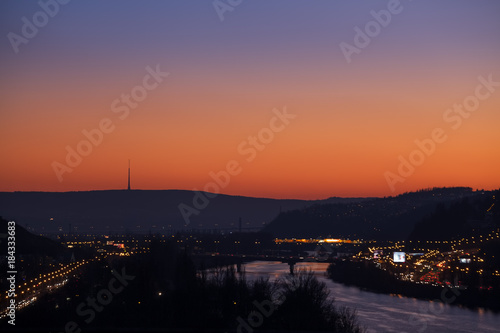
<point>140,211</point>
<point>460,218</point>
<point>381,218</point>
<point>28,243</point>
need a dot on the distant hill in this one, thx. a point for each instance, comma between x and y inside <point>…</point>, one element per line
<point>140,211</point>
<point>382,218</point>
<point>27,243</point>
<point>461,218</point>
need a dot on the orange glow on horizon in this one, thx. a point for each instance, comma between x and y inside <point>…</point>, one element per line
<point>352,123</point>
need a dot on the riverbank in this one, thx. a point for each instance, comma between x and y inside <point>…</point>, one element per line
<point>369,278</point>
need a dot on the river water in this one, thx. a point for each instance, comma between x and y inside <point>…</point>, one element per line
<point>384,313</point>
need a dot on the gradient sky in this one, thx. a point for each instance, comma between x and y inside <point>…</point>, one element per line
<point>353,120</point>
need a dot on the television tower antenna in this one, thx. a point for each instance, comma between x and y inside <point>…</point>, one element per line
<point>128,188</point>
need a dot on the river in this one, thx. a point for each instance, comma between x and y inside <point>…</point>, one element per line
<point>385,313</point>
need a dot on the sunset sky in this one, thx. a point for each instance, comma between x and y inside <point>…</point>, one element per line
<point>353,120</point>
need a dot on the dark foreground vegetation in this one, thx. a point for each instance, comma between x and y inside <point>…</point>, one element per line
<point>366,276</point>
<point>164,291</point>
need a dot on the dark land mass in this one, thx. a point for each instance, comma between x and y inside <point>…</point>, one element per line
<point>379,219</point>
<point>142,211</point>
<point>28,243</point>
<point>460,218</point>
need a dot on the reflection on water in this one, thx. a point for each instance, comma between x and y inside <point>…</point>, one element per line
<point>384,313</point>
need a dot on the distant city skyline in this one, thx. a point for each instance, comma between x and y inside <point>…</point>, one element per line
<point>183,93</point>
